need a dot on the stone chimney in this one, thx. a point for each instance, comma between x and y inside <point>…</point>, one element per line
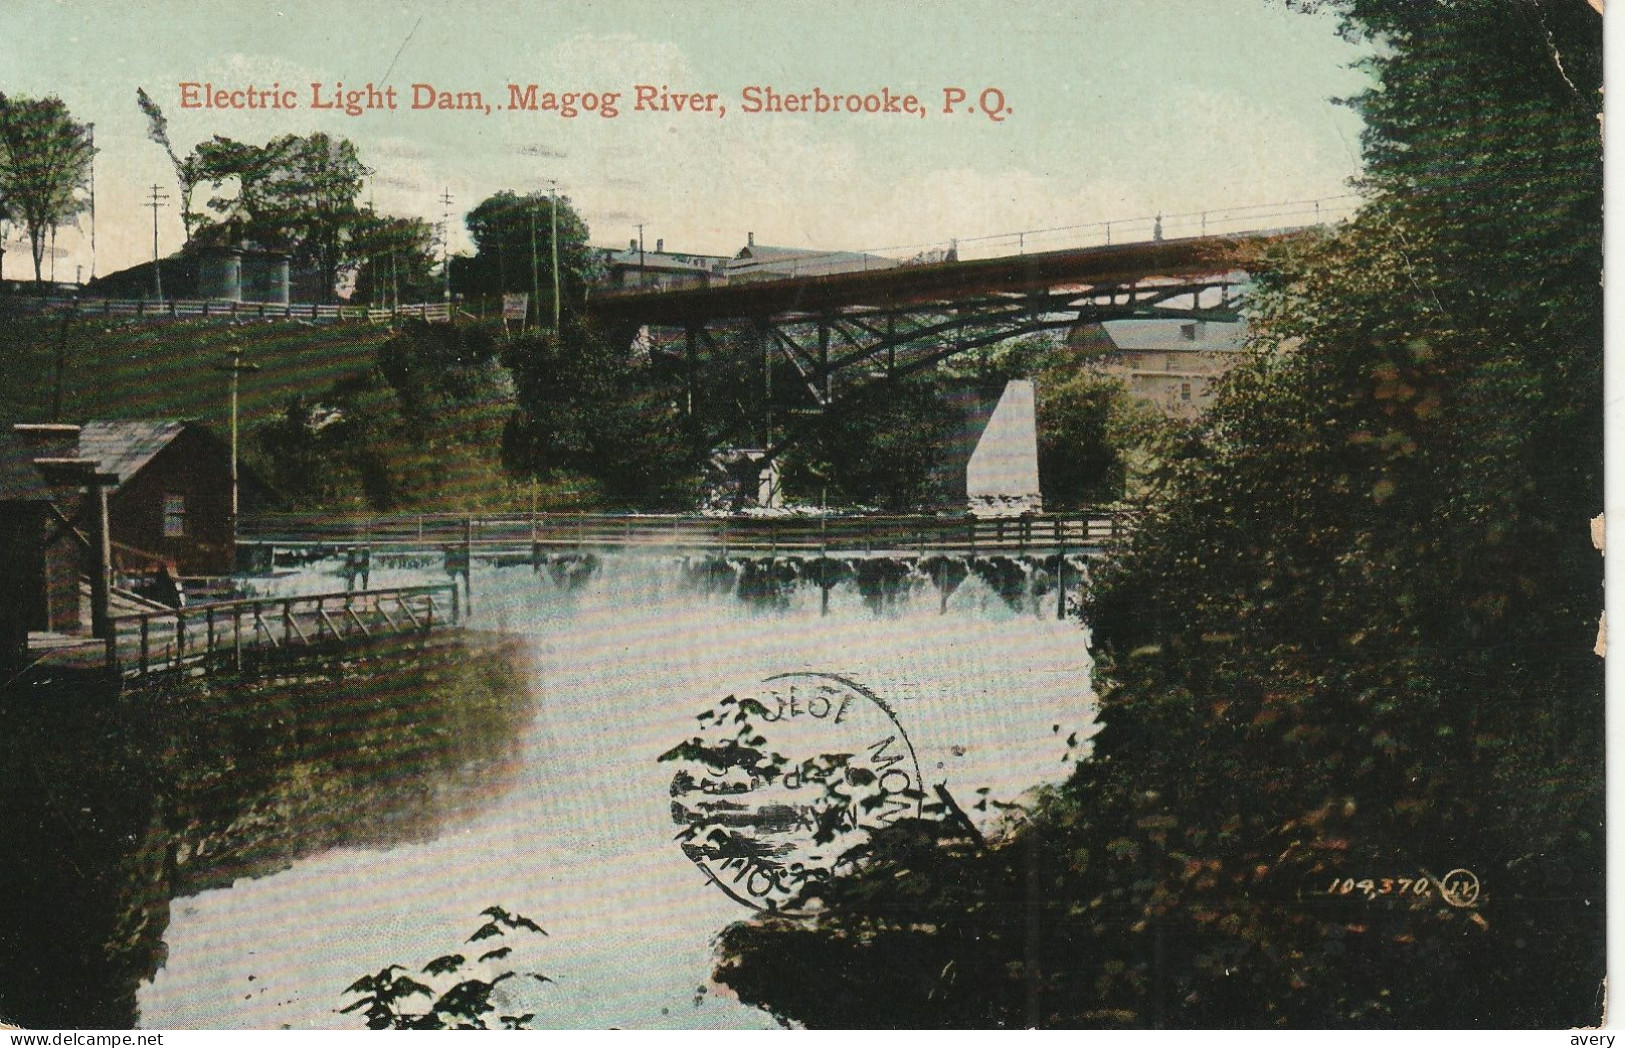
<point>750,239</point>
<point>660,246</point>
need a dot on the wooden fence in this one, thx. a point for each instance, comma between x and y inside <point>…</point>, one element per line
<point>206,637</point>
<point>182,309</point>
<point>1038,533</point>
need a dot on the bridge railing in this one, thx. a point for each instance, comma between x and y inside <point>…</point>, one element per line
<point>206,636</point>
<point>1240,220</point>
<point>773,535</point>
<point>1220,221</point>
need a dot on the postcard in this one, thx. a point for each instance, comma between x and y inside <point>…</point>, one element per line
<point>712,515</point>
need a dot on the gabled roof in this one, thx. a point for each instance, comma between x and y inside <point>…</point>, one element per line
<point>663,260</point>
<point>1176,336</point>
<point>768,253</point>
<point>126,446</point>
<point>764,258</point>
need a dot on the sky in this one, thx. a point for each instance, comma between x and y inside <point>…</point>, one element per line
<point>1112,110</point>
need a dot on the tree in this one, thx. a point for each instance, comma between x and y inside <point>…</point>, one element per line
<point>395,259</point>
<point>587,408</point>
<point>1097,443</point>
<point>514,252</point>
<point>420,430</point>
<point>295,192</point>
<point>1350,645</point>
<point>880,445</point>
<point>45,158</point>
<point>187,172</point>
<point>5,217</point>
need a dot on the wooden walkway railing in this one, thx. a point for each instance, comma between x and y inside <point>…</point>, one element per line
<point>185,309</point>
<point>1039,533</point>
<point>206,637</point>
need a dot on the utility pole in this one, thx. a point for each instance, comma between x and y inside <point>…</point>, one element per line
<point>642,278</point>
<point>156,202</point>
<point>554,186</point>
<point>236,366</point>
<point>535,277</point>
<point>91,128</point>
<point>445,238</point>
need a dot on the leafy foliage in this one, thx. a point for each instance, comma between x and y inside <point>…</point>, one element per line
<point>587,408</point>
<point>45,158</point>
<point>464,1005</point>
<point>394,259</point>
<point>513,237</point>
<point>419,430</point>
<point>188,171</point>
<point>1098,444</point>
<point>1351,639</point>
<point>297,192</point>
<point>880,447</point>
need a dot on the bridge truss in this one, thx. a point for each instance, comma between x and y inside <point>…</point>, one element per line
<point>786,352</point>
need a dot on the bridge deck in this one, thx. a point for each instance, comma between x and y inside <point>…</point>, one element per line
<point>219,634</point>
<point>489,535</point>
<point>1118,265</point>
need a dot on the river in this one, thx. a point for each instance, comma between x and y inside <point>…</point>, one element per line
<point>580,835</point>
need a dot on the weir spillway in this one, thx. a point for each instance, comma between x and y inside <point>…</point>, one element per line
<point>892,584</point>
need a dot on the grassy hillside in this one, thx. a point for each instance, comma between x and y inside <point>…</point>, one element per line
<point>134,369</point>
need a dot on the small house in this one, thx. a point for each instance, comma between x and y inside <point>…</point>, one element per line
<point>664,270</point>
<point>172,503</point>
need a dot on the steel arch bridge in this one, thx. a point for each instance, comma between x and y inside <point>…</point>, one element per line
<point>811,344</point>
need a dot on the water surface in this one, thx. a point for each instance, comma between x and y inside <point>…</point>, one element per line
<point>580,837</point>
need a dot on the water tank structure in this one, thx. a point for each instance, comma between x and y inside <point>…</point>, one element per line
<point>265,277</point>
<point>1001,479</point>
<point>220,274</point>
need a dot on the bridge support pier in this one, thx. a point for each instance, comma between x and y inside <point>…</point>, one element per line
<point>1060,583</point>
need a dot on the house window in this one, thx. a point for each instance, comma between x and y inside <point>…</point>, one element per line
<point>174,516</point>
<point>1184,391</point>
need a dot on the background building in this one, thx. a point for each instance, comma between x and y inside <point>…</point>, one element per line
<point>1170,363</point>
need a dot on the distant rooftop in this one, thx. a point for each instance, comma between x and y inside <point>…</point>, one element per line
<point>1174,335</point>
<point>661,260</point>
<point>756,260</point>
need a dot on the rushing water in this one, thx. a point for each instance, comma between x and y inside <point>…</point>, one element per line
<point>622,655</point>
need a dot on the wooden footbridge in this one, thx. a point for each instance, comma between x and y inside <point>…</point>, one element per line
<point>202,639</point>
<point>539,534</point>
